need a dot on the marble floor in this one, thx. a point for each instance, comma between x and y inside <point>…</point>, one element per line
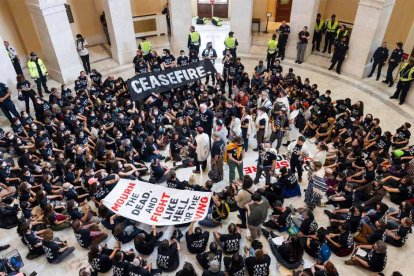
<point>372,93</point>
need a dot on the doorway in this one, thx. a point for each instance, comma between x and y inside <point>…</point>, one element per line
<point>283,9</point>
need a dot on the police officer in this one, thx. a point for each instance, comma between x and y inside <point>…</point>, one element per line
<point>194,40</point>
<point>339,54</point>
<point>406,77</point>
<point>340,33</point>
<point>271,51</point>
<point>284,31</point>
<point>317,33</point>
<point>14,57</point>
<point>395,59</point>
<point>380,57</point>
<point>145,47</point>
<point>231,44</point>
<point>331,26</point>
<point>38,72</point>
<point>266,162</point>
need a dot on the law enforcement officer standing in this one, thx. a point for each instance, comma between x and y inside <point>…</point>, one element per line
<point>231,44</point>
<point>194,40</point>
<point>406,77</point>
<point>14,57</point>
<point>331,26</point>
<point>145,47</point>
<point>284,31</point>
<point>271,51</point>
<point>317,33</point>
<point>380,57</point>
<point>38,72</point>
<point>395,59</point>
<point>339,54</point>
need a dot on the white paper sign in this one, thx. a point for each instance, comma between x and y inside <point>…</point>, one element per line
<point>156,205</point>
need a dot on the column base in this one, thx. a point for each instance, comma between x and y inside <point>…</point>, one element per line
<point>67,76</point>
<point>123,57</point>
<point>244,46</point>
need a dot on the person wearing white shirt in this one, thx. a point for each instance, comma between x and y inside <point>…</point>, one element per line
<point>83,52</point>
<point>14,57</point>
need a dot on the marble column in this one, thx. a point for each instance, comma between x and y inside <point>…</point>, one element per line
<point>121,29</point>
<point>57,41</point>
<point>181,21</point>
<point>370,24</point>
<point>303,14</point>
<point>7,73</point>
<point>241,14</point>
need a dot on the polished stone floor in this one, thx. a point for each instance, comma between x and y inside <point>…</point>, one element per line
<point>372,93</point>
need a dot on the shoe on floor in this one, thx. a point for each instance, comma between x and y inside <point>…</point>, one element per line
<point>242,226</point>
<point>348,262</point>
<point>196,171</point>
<point>385,81</point>
<point>393,97</point>
<point>265,233</point>
<point>4,247</point>
<point>273,235</point>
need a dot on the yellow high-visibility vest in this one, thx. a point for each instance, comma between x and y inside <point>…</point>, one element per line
<point>195,36</point>
<point>408,76</point>
<point>230,42</point>
<point>331,28</point>
<point>271,46</point>
<point>145,47</point>
<point>33,68</point>
<point>344,34</point>
<point>320,25</point>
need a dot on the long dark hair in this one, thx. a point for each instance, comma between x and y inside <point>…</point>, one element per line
<point>297,248</point>
<point>94,251</point>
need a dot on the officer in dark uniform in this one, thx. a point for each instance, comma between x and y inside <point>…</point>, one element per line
<point>339,54</point>
<point>406,77</point>
<point>380,57</point>
<point>284,31</point>
<point>395,59</point>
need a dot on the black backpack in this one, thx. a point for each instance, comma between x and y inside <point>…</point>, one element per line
<point>300,121</point>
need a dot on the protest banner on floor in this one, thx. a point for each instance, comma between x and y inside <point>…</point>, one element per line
<point>155,204</point>
<point>142,85</point>
<point>250,164</point>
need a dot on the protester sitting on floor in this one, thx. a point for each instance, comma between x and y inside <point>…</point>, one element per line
<point>196,239</point>
<point>214,254</point>
<point>88,234</point>
<point>230,243</point>
<point>168,258</point>
<point>100,257</point>
<point>342,243</point>
<point>145,243</point>
<point>374,257</point>
<point>56,251</point>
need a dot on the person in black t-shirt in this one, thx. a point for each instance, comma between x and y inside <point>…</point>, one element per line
<point>288,183</point>
<point>32,240</point>
<point>120,265</point>
<point>168,258</point>
<point>215,254</point>
<point>375,258</point>
<point>397,237</point>
<point>234,265</point>
<point>217,152</point>
<point>402,136</point>
<point>229,242</point>
<point>281,218</point>
<point>182,60</point>
<point>100,258</point>
<point>196,239</point>
<point>168,60</point>
<point>145,243</point>
<point>259,264</point>
<point>88,234</point>
<point>308,226</point>
<point>55,250</point>
<point>214,269</point>
<point>342,243</point>
<point>266,162</point>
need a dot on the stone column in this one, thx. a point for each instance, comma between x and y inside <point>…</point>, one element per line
<point>121,29</point>
<point>57,41</point>
<point>181,21</point>
<point>7,73</point>
<point>241,13</point>
<point>303,14</point>
<point>367,34</point>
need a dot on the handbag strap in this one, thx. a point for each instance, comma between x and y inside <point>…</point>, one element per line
<point>247,191</point>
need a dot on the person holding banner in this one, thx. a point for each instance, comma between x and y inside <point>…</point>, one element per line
<point>168,258</point>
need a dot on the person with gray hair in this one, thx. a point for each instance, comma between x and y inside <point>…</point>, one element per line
<point>214,269</point>
<point>372,257</point>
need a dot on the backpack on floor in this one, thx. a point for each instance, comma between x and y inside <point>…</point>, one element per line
<point>221,212</point>
<point>217,21</point>
<point>201,21</point>
<point>300,121</point>
<point>324,253</point>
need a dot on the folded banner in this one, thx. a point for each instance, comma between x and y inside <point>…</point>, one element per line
<point>155,204</point>
<point>142,85</point>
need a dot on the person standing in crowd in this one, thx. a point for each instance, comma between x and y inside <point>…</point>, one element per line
<point>105,27</point>
<point>266,162</point>
<point>395,59</point>
<point>194,40</point>
<point>284,31</point>
<point>14,57</point>
<point>230,43</point>
<point>217,151</point>
<point>146,48</point>
<point>210,54</point>
<point>331,26</point>
<point>380,57</point>
<point>256,215</point>
<point>38,72</point>
<point>25,88</point>
<point>242,197</point>
<point>83,52</point>
<point>317,33</point>
<point>404,84</point>
<point>271,51</point>
<point>6,104</point>
<point>206,119</point>
<point>302,44</point>
<point>235,156</point>
<point>339,54</point>
<point>262,122</point>
<point>298,151</point>
<point>202,148</point>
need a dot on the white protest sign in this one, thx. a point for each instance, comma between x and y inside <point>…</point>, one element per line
<point>156,205</point>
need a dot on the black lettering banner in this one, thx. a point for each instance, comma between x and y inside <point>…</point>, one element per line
<point>142,85</point>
